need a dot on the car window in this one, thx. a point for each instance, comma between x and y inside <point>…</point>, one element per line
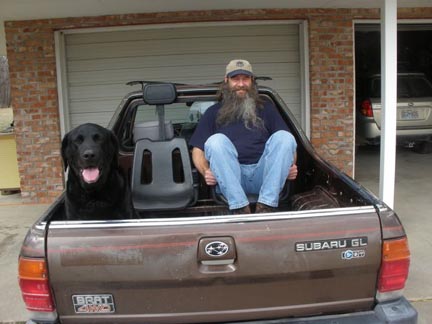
<point>407,87</point>
<point>184,116</point>
<point>419,87</point>
<point>177,113</point>
<point>403,89</point>
<point>375,88</point>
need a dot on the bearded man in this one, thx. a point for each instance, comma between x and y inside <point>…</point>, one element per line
<point>242,144</point>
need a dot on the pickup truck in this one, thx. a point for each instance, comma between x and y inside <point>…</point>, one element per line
<point>331,253</point>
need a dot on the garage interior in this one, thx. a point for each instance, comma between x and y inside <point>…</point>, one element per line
<point>414,54</point>
<point>414,48</point>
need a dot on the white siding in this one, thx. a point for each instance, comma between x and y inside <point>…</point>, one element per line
<point>98,64</point>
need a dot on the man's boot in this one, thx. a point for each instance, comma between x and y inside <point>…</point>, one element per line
<point>262,208</point>
<point>243,210</point>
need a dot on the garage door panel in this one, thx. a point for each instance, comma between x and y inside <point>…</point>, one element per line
<point>99,91</point>
<point>101,118</point>
<point>98,64</point>
<point>116,91</point>
<point>97,105</point>
<point>159,73</point>
<point>218,59</point>
<point>212,72</point>
<point>181,46</point>
<point>181,33</point>
<point>283,84</point>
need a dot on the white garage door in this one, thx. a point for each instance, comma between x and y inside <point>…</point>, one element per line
<point>97,65</point>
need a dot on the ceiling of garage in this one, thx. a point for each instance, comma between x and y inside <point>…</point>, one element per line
<point>36,9</point>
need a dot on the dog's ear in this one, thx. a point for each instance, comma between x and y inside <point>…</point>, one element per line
<point>64,145</point>
<point>115,148</point>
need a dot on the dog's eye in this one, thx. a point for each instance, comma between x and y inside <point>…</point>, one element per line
<point>97,138</point>
<point>79,139</point>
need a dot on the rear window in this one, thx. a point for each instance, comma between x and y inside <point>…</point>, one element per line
<point>407,87</point>
<point>177,113</point>
<point>181,116</point>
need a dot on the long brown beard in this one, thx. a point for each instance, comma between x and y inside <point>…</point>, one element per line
<point>235,108</point>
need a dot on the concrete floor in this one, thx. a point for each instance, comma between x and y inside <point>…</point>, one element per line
<point>413,204</point>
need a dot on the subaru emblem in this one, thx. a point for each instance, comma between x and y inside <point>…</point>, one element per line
<point>216,249</point>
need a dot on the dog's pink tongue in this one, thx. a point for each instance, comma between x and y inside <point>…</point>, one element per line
<point>90,175</point>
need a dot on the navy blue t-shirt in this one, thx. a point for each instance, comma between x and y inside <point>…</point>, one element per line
<point>250,142</point>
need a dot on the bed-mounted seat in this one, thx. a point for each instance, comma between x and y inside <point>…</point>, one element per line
<point>162,177</point>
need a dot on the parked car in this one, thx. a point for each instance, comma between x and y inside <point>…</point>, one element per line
<point>331,253</point>
<point>414,110</point>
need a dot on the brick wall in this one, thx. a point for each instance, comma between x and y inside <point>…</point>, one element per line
<point>31,54</point>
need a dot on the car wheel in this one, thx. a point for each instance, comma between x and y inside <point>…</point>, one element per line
<point>423,147</point>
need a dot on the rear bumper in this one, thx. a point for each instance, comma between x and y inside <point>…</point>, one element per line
<point>368,132</point>
<point>395,312</point>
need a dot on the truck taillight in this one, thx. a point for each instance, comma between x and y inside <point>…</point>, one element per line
<point>366,108</point>
<point>395,265</point>
<point>33,281</point>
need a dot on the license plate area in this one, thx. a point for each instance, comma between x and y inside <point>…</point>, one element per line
<point>410,114</point>
<point>93,304</point>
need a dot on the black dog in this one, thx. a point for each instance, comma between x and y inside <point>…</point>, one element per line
<point>96,188</point>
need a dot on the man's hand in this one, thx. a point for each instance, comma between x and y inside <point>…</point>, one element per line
<point>292,175</point>
<point>203,167</point>
<point>209,178</point>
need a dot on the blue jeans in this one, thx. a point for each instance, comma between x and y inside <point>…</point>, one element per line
<point>266,178</point>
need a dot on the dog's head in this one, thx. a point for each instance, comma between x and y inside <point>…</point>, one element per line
<point>91,152</point>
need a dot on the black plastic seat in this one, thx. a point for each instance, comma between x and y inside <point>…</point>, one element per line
<point>162,174</point>
<point>160,181</point>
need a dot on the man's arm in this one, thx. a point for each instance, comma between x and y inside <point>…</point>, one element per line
<point>203,167</point>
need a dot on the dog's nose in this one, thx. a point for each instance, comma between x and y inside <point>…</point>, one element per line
<point>88,155</point>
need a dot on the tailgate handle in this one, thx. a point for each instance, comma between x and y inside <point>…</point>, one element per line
<point>216,251</point>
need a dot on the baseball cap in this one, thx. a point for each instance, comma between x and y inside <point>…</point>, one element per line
<point>236,67</point>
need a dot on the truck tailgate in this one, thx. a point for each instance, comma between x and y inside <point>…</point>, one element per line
<point>215,269</point>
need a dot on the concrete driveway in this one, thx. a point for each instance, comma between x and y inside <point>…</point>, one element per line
<point>413,203</point>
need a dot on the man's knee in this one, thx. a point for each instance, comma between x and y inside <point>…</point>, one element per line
<point>284,139</point>
<point>217,143</point>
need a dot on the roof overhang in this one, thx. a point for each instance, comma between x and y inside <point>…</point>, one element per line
<point>41,9</point>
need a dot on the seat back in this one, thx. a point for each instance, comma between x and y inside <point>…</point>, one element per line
<point>162,176</point>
